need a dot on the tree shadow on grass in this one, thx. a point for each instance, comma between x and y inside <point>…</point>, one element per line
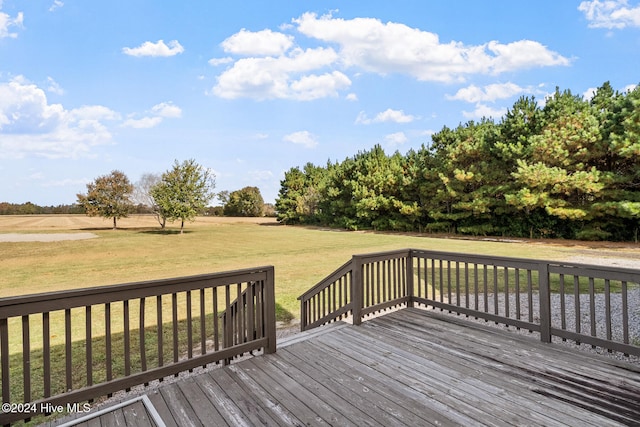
<point>283,315</point>
<point>157,230</point>
<point>164,231</point>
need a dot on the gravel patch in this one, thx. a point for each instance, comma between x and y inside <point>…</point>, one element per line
<point>52,237</point>
<point>607,261</point>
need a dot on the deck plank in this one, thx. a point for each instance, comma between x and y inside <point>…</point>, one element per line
<point>386,402</point>
<point>323,388</point>
<point>294,396</point>
<point>136,415</point>
<point>559,376</point>
<point>226,407</point>
<point>158,402</point>
<point>556,376</point>
<point>410,386</point>
<point>251,407</point>
<point>407,368</point>
<point>524,381</point>
<point>202,407</point>
<point>445,381</point>
<point>251,387</point>
<point>181,409</point>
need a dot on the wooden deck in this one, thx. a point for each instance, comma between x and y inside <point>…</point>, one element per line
<point>406,368</point>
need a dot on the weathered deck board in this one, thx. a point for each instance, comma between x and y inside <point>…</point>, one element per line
<point>135,415</point>
<point>163,409</point>
<point>409,367</point>
<point>485,380</point>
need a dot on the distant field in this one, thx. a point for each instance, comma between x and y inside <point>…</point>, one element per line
<point>139,250</point>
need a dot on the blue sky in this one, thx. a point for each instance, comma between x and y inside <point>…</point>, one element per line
<point>253,88</point>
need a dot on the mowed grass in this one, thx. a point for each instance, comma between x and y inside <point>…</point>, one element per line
<point>140,250</point>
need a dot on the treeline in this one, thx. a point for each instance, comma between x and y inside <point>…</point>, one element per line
<point>569,169</point>
<point>29,208</point>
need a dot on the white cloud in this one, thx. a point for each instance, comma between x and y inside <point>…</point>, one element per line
<point>94,112</point>
<point>265,42</point>
<point>389,115</point>
<point>273,67</point>
<point>485,111</point>
<point>30,126</point>
<point>589,93</point>
<point>303,138</point>
<point>54,87</point>
<point>374,46</point>
<point>284,77</point>
<point>351,97</point>
<point>487,93</point>
<point>220,61</point>
<point>396,139</point>
<point>158,113</point>
<point>155,49</point>
<point>7,21</point>
<point>167,110</point>
<point>312,86</point>
<point>610,14</point>
<point>56,5</point>
<point>143,123</point>
<point>522,54</point>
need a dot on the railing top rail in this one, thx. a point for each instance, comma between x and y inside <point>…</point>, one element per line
<point>595,271</point>
<point>479,259</point>
<point>60,300</point>
<point>378,256</point>
<point>339,272</point>
<point>555,266</point>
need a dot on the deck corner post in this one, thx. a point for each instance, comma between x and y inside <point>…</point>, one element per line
<point>357,289</point>
<point>303,314</point>
<point>409,278</point>
<point>270,310</point>
<point>545,302</point>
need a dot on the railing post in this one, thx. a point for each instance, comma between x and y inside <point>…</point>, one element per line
<point>409,278</point>
<point>544,296</point>
<point>357,289</point>
<point>270,310</point>
<point>303,315</point>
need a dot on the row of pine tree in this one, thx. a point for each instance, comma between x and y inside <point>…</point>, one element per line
<point>569,169</point>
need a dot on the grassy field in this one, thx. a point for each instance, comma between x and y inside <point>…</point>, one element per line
<point>139,250</point>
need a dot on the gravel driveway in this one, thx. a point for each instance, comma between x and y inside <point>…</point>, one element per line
<point>41,237</point>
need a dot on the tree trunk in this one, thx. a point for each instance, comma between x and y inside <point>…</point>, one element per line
<point>114,223</point>
<point>182,226</point>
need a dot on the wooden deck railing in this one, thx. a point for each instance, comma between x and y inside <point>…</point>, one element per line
<point>64,348</point>
<point>566,300</point>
